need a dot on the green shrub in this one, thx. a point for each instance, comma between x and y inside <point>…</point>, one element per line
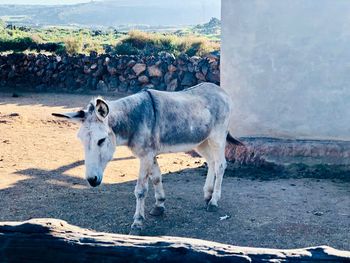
<point>126,49</point>
<point>17,44</point>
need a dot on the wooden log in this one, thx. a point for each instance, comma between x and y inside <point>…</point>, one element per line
<point>52,240</point>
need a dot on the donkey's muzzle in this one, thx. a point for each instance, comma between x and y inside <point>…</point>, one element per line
<point>93,181</point>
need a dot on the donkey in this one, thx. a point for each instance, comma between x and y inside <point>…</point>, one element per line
<point>152,122</point>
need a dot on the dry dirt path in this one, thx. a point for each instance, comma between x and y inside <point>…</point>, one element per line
<point>41,175</point>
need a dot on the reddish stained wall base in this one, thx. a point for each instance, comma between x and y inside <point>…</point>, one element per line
<point>285,151</point>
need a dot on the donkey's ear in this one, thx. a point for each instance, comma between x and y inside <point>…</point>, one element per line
<point>73,116</point>
<point>101,108</point>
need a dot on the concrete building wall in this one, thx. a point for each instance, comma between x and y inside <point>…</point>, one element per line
<point>287,65</point>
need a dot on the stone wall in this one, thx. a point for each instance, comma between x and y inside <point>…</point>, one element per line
<point>104,73</point>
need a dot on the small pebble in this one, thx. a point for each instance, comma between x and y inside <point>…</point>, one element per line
<point>318,213</point>
<point>224,217</point>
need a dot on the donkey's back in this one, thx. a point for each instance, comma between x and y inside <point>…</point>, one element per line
<point>186,118</point>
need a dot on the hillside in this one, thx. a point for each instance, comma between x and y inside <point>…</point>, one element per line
<point>153,15</point>
<point>211,30</point>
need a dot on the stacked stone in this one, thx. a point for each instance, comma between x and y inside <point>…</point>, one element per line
<point>105,73</point>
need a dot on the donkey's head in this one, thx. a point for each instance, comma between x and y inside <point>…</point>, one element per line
<point>97,137</point>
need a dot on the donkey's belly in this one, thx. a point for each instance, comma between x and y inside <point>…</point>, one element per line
<point>177,148</point>
<point>185,129</point>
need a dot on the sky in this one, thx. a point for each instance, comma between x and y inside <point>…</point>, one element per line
<point>41,2</point>
<point>67,2</point>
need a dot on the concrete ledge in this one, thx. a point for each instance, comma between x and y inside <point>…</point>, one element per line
<point>286,151</point>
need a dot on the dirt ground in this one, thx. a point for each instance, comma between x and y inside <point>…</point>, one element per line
<point>41,175</point>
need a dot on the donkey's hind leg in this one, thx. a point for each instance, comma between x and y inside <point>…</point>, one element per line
<point>156,178</point>
<point>217,147</point>
<point>204,150</point>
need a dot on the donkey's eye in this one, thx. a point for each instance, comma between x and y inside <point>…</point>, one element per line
<point>99,143</point>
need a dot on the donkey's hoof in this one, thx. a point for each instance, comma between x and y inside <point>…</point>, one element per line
<point>207,201</point>
<point>157,211</point>
<point>212,208</point>
<point>136,230</point>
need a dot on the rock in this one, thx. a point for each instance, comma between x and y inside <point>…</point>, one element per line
<point>213,56</point>
<point>154,71</point>
<point>98,73</point>
<point>131,76</point>
<point>93,54</point>
<point>168,77</point>
<point>93,83</point>
<point>183,58</point>
<point>214,65</point>
<point>131,63</point>
<point>163,66</point>
<point>182,67</point>
<point>190,67</point>
<point>122,78</point>
<point>189,80</point>
<point>166,55</point>
<point>172,86</point>
<point>93,66</point>
<point>318,213</point>
<point>205,68</point>
<point>214,76</point>
<point>138,68</point>
<point>200,76</point>
<point>101,85</point>
<point>172,68</point>
<point>156,81</point>
<point>111,70</point>
<point>134,87</point>
<point>143,79</point>
<point>87,69</point>
<point>195,59</point>
<point>123,87</point>
<point>11,74</point>
<point>161,86</point>
<point>113,84</point>
<point>40,88</point>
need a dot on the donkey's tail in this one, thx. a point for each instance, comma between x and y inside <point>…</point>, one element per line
<point>234,141</point>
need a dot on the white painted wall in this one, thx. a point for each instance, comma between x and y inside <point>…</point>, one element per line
<point>287,65</point>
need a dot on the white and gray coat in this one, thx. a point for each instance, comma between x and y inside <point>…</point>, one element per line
<point>152,122</point>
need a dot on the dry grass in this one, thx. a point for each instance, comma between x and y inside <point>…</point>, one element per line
<point>73,45</point>
<point>137,43</point>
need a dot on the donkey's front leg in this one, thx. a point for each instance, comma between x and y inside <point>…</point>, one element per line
<point>141,190</point>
